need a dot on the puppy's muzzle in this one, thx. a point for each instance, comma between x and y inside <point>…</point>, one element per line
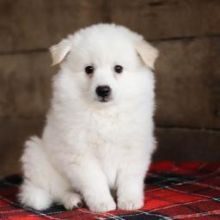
<point>104,93</point>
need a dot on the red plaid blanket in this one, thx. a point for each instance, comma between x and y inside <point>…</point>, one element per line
<point>173,191</point>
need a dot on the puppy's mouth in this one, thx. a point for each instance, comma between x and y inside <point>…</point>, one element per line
<point>104,99</point>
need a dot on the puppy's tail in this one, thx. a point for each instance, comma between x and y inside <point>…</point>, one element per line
<point>37,172</point>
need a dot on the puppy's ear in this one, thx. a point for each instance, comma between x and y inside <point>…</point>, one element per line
<point>59,51</point>
<point>147,53</point>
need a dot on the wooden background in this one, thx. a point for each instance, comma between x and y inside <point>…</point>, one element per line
<point>187,33</point>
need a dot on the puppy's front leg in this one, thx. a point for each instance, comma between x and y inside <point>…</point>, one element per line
<point>89,179</point>
<point>130,187</point>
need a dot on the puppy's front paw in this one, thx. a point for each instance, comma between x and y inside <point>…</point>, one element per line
<point>102,205</point>
<point>72,200</point>
<point>130,203</point>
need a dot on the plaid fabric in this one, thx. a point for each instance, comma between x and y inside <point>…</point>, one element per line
<point>173,191</point>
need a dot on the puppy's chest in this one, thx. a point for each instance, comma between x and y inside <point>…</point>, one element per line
<point>109,139</point>
<point>105,131</point>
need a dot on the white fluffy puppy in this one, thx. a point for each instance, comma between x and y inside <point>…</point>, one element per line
<point>99,131</point>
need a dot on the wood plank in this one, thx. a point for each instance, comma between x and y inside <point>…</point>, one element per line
<point>13,133</point>
<point>187,145</point>
<point>188,83</point>
<point>174,143</point>
<point>25,85</point>
<point>31,24</point>
<point>161,19</point>
<point>34,24</point>
<point>187,92</point>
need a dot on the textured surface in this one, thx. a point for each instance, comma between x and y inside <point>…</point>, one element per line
<point>173,191</point>
<point>32,24</point>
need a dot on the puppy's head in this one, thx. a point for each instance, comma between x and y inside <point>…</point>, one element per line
<point>105,63</point>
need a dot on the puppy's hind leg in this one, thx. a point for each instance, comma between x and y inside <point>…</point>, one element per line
<point>34,197</point>
<point>35,190</point>
<point>43,184</point>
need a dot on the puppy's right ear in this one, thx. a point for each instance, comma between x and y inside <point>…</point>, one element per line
<point>60,51</point>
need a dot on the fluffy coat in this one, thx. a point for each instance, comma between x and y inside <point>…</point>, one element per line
<point>90,148</point>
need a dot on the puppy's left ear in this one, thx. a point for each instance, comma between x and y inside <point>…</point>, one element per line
<point>60,51</point>
<point>147,53</point>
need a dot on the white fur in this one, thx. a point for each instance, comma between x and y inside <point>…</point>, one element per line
<point>89,148</point>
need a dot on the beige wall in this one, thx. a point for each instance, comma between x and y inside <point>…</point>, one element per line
<point>187,32</point>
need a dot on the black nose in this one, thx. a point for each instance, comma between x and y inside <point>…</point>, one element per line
<point>103,91</point>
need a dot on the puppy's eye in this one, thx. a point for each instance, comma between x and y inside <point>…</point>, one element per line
<point>118,68</point>
<point>89,70</point>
